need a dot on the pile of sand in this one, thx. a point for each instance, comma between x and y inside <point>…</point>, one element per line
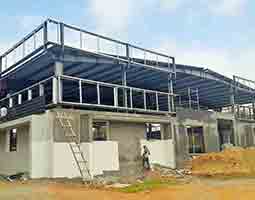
<point>230,162</point>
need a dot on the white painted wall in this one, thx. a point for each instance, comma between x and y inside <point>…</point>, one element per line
<point>41,147</point>
<point>64,164</point>
<point>101,156</point>
<point>104,156</point>
<point>18,161</point>
<point>162,152</point>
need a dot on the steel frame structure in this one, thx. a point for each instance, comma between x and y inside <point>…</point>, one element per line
<point>53,33</point>
<point>207,86</point>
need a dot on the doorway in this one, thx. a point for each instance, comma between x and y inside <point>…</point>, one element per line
<point>196,139</point>
<point>226,132</point>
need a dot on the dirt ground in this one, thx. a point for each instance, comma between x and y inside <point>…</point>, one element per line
<point>197,189</point>
<point>230,162</point>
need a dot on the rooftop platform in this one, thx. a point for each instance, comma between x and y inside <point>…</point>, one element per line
<point>125,74</point>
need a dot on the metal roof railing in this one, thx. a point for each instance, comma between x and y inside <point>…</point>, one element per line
<point>54,32</point>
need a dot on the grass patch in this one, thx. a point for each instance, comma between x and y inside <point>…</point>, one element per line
<point>148,185</point>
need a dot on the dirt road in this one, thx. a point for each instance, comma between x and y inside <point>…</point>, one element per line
<point>199,189</point>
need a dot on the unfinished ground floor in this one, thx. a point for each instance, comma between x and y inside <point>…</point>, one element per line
<point>112,142</point>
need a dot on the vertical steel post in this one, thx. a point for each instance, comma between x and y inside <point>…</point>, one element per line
<point>232,96</point>
<point>189,95</point>
<point>80,90</point>
<point>41,90</point>
<point>174,67</point>
<point>170,89</point>
<point>124,76</point>
<point>198,104</point>
<point>1,64</point>
<point>98,45</point>
<point>131,97</point>
<point>232,99</point>
<point>19,99</point>
<point>115,93</point>
<point>144,100</point>
<point>81,39</point>
<point>62,37</point>
<point>10,102</point>
<point>57,92</point>
<point>98,94</point>
<point>45,34</point>
<point>29,95</point>
<point>23,49</point>
<point>157,106</point>
<point>34,39</point>
<point>124,83</point>
<point>253,108</point>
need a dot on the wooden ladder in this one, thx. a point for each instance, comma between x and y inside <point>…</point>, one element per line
<point>66,122</point>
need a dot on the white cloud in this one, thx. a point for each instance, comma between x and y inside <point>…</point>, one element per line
<point>3,47</point>
<point>170,5</point>
<point>218,59</point>
<point>29,22</point>
<point>227,7</point>
<point>112,15</point>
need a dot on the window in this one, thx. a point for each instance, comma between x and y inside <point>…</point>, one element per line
<point>196,139</point>
<point>12,140</point>
<point>100,131</point>
<point>153,131</point>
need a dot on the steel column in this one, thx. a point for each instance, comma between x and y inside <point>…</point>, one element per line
<point>131,97</point>
<point>45,34</point>
<point>115,93</point>
<point>144,100</point>
<point>80,90</point>
<point>41,90</point>
<point>19,99</point>
<point>98,94</point>
<point>29,95</point>
<point>1,64</point>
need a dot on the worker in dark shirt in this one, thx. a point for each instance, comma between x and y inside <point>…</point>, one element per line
<point>146,154</point>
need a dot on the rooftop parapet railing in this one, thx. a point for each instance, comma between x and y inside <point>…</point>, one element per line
<point>54,32</point>
<point>247,84</point>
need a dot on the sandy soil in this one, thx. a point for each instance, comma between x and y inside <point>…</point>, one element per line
<point>198,189</point>
<point>230,162</point>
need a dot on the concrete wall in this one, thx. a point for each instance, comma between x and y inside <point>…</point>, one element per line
<point>104,156</point>
<point>128,136</point>
<point>162,152</point>
<point>41,145</point>
<point>206,119</point>
<point>101,156</point>
<point>13,162</point>
<point>245,133</point>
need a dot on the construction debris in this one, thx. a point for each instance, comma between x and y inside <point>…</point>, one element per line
<point>233,161</point>
<point>174,173</point>
<point>18,176</point>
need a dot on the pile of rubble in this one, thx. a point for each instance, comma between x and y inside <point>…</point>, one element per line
<point>233,161</point>
<point>169,172</point>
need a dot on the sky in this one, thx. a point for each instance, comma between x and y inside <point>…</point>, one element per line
<point>214,34</point>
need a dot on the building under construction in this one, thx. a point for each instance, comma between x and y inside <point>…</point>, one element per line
<point>75,103</point>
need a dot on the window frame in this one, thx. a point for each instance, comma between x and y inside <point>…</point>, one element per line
<point>106,134</point>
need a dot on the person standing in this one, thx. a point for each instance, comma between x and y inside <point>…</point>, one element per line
<point>146,154</point>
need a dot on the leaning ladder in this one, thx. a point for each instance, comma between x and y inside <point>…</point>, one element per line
<point>65,120</point>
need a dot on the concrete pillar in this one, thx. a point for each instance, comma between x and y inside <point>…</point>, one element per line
<point>57,88</point>
<point>90,128</point>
